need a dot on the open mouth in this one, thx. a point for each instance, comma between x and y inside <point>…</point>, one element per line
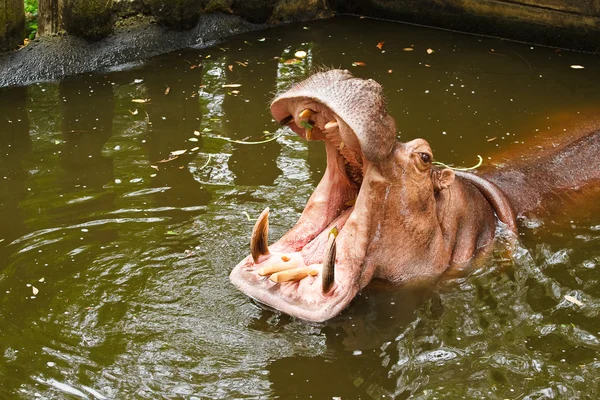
<point>314,270</point>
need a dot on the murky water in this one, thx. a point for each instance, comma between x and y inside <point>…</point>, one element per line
<point>114,260</point>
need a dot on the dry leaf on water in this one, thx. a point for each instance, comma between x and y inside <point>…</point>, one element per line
<point>573,300</point>
<point>380,45</point>
<point>358,64</point>
<point>140,100</point>
<point>232,85</point>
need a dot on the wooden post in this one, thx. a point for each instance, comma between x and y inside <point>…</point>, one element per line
<point>12,23</point>
<point>48,17</point>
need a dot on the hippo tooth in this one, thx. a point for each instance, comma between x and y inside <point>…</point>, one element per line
<point>260,236</point>
<point>329,262</point>
<point>283,266</point>
<point>295,274</point>
<point>307,112</point>
<point>331,125</point>
<point>308,133</point>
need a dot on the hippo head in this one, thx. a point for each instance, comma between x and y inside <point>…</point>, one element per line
<point>373,215</point>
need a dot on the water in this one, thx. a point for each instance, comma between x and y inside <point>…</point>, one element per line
<point>114,265</point>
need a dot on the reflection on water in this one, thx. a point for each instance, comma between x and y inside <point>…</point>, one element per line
<point>122,212</point>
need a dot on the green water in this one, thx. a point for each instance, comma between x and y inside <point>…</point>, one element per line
<point>130,256</point>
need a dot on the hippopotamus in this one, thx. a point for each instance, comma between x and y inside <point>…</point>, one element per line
<point>383,210</point>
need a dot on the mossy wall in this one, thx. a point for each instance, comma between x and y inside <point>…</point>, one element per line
<point>566,23</point>
<point>12,23</point>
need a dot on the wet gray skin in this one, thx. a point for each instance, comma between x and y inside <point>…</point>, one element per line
<point>131,263</point>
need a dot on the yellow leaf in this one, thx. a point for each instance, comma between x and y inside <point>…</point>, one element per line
<point>380,45</point>
<point>140,100</point>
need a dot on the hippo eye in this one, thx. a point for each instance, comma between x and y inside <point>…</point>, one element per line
<point>426,158</point>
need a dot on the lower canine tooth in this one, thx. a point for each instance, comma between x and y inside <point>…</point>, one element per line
<point>260,236</point>
<point>284,266</point>
<point>329,262</point>
<point>295,274</point>
<point>308,133</point>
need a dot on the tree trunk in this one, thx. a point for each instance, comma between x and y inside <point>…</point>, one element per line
<point>12,23</point>
<point>49,17</point>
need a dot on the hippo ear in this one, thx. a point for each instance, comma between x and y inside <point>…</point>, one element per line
<point>442,178</point>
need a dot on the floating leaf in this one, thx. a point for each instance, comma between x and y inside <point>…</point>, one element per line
<point>262,39</point>
<point>380,45</point>
<point>167,90</point>
<point>358,64</point>
<point>193,139</point>
<point>492,139</point>
<point>195,149</point>
<point>134,112</point>
<point>573,300</point>
<point>230,67</point>
<point>172,233</point>
<point>429,51</point>
<point>178,152</point>
<point>292,61</point>
<point>577,66</point>
<point>390,71</point>
<point>41,279</point>
<point>232,85</point>
<point>243,64</point>
<point>154,166</point>
<point>300,54</point>
<point>235,92</point>
<point>35,290</point>
<point>408,49</point>
<point>140,100</point>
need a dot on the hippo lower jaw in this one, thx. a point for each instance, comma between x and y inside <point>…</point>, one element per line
<point>312,273</point>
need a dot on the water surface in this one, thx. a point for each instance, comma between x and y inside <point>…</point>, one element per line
<point>115,255</point>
